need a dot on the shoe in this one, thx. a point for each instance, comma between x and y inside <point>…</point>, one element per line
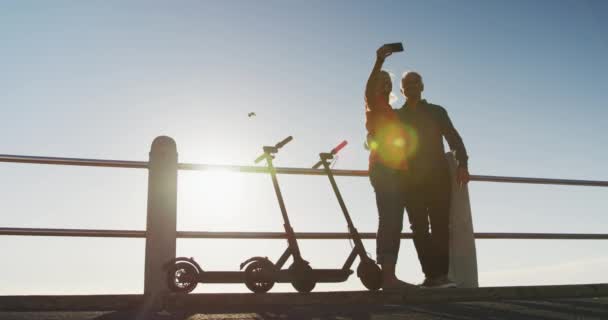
<point>438,282</point>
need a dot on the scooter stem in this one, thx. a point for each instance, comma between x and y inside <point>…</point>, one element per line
<point>291,238</point>
<point>351,227</point>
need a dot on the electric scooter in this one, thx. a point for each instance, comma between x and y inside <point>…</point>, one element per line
<point>260,274</point>
<point>368,271</point>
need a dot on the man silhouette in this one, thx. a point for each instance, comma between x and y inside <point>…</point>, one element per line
<point>426,182</point>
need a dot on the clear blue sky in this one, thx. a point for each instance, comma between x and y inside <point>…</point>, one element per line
<point>523,82</point>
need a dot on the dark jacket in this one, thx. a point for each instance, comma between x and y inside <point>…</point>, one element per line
<point>428,124</point>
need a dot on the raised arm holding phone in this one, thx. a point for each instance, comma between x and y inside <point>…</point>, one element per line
<point>386,161</point>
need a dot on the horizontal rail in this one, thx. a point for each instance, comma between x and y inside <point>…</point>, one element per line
<point>569,182</point>
<point>280,170</point>
<point>72,233</point>
<point>364,173</point>
<point>74,161</point>
<point>277,235</point>
<point>259,169</point>
<point>541,236</point>
<point>372,235</point>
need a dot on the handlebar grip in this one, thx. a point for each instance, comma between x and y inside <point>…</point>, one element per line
<point>339,147</point>
<point>260,158</point>
<point>317,165</point>
<point>284,142</point>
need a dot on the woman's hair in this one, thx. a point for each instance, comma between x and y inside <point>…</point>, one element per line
<point>378,79</point>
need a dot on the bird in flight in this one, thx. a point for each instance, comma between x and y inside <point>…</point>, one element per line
<point>251,114</point>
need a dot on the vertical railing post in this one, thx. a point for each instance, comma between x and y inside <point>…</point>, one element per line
<point>161,218</point>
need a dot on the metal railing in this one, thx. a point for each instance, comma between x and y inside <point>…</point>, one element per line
<point>95,233</point>
<point>163,169</point>
<point>275,235</point>
<point>280,170</point>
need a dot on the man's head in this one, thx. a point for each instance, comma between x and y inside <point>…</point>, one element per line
<point>383,85</point>
<point>412,85</point>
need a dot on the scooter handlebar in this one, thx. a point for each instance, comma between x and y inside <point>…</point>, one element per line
<point>271,150</point>
<point>284,142</point>
<point>339,147</point>
<point>329,155</point>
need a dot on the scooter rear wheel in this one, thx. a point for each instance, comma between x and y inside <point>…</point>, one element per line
<point>370,274</point>
<point>256,276</point>
<point>302,280</point>
<point>182,277</point>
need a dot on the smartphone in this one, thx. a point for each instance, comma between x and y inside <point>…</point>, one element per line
<point>395,47</point>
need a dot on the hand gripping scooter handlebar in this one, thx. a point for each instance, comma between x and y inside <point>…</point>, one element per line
<point>270,150</point>
<point>330,155</point>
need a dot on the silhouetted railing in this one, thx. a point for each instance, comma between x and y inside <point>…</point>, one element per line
<point>280,170</point>
<point>278,235</point>
<point>162,193</point>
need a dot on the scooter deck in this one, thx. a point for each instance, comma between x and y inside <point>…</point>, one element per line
<point>222,277</point>
<point>331,275</point>
<point>320,275</point>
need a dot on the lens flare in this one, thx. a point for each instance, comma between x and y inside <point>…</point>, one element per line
<point>399,142</point>
<point>394,144</point>
<point>373,145</point>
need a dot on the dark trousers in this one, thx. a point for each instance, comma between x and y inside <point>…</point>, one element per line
<point>427,202</point>
<point>390,224</point>
<point>390,204</point>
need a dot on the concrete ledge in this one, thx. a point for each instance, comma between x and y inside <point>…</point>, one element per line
<point>249,302</point>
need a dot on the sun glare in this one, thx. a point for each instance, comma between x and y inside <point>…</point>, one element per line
<point>216,194</point>
<point>222,179</point>
<point>222,187</point>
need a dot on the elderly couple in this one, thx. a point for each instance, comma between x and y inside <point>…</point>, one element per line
<point>408,170</point>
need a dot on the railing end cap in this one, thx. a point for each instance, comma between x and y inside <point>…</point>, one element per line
<point>163,144</point>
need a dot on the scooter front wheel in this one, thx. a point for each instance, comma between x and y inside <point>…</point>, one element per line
<point>370,274</point>
<point>302,277</point>
<point>182,277</point>
<point>258,276</point>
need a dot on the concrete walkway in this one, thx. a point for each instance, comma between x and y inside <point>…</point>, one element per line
<point>566,309</point>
